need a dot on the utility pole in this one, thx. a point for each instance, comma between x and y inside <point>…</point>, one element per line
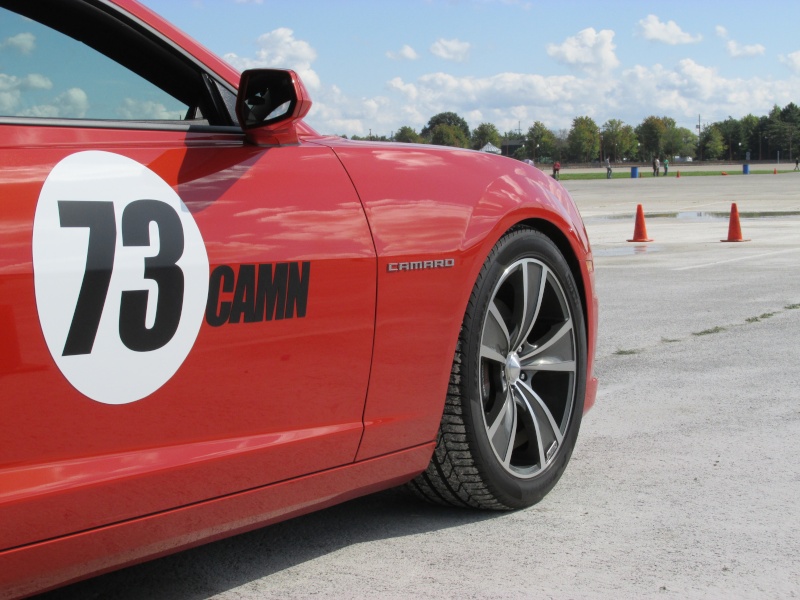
<point>699,141</point>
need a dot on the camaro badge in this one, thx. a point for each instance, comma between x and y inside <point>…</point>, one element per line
<point>419,265</point>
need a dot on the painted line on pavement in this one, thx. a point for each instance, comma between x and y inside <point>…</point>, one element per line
<point>720,262</point>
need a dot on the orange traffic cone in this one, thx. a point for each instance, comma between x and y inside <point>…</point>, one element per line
<point>734,229</point>
<point>639,230</point>
<point>775,171</point>
<point>678,175</point>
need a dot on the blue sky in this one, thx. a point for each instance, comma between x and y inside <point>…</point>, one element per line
<point>374,66</point>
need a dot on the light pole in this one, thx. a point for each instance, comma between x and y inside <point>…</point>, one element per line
<point>699,139</point>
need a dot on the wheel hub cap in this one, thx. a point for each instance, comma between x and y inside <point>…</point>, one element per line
<point>513,368</point>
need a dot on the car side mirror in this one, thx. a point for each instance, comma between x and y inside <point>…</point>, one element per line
<point>269,104</point>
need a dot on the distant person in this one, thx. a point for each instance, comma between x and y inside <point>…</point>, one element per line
<point>556,170</point>
<point>797,164</point>
<point>608,168</point>
<point>656,166</point>
<point>666,166</point>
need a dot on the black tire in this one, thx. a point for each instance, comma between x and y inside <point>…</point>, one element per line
<point>518,382</point>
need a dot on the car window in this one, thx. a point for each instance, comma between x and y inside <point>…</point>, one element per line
<point>76,68</point>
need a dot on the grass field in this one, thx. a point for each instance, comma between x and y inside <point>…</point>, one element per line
<point>626,173</point>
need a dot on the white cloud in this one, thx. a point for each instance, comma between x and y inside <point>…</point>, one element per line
<point>408,89</point>
<point>35,81</point>
<point>405,53</point>
<point>691,89</point>
<point>12,88</point>
<point>651,28</point>
<point>792,61</point>
<point>72,104</point>
<point>513,99</point>
<point>504,99</point>
<point>737,50</point>
<point>335,113</point>
<point>455,50</point>
<point>589,50</point>
<point>280,49</point>
<point>145,110</point>
<point>24,43</point>
<point>510,99</point>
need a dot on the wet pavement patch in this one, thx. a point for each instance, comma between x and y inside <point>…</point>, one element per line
<point>629,250</point>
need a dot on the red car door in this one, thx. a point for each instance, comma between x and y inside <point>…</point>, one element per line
<point>183,316</point>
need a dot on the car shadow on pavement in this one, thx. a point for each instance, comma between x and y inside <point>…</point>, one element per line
<point>214,568</point>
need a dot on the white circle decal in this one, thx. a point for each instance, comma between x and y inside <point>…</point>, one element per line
<point>121,276</point>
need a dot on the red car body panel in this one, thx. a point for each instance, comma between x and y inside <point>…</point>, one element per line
<point>268,416</point>
<point>467,201</point>
<point>53,563</point>
<point>75,463</point>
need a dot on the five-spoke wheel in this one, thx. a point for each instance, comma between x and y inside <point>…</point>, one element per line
<point>527,367</point>
<point>518,381</point>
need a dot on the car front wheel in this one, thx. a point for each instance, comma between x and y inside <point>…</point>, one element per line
<point>517,385</point>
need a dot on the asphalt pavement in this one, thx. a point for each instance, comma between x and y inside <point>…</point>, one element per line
<point>685,482</point>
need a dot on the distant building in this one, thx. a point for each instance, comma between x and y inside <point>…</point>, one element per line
<point>509,147</point>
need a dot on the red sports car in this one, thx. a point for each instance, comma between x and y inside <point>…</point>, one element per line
<point>214,318</point>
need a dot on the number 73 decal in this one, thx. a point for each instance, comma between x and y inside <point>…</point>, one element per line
<point>121,276</point>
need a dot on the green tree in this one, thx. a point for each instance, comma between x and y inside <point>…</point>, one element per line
<point>371,138</point>
<point>731,135</point>
<point>781,130</point>
<point>650,133</point>
<point>775,132</point>
<point>445,118</point>
<point>672,142</point>
<point>449,135</point>
<point>540,142</point>
<point>688,142</point>
<point>713,143</point>
<point>790,119</point>
<point>628,146</point>
<point>761,142</point>
<point>407,135</point>
<point>791,114</point>
<point>618,140</point>
<point>584,139</point>
<point>485,133</point>
<point>561,144</point>
<point>749,128</point>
